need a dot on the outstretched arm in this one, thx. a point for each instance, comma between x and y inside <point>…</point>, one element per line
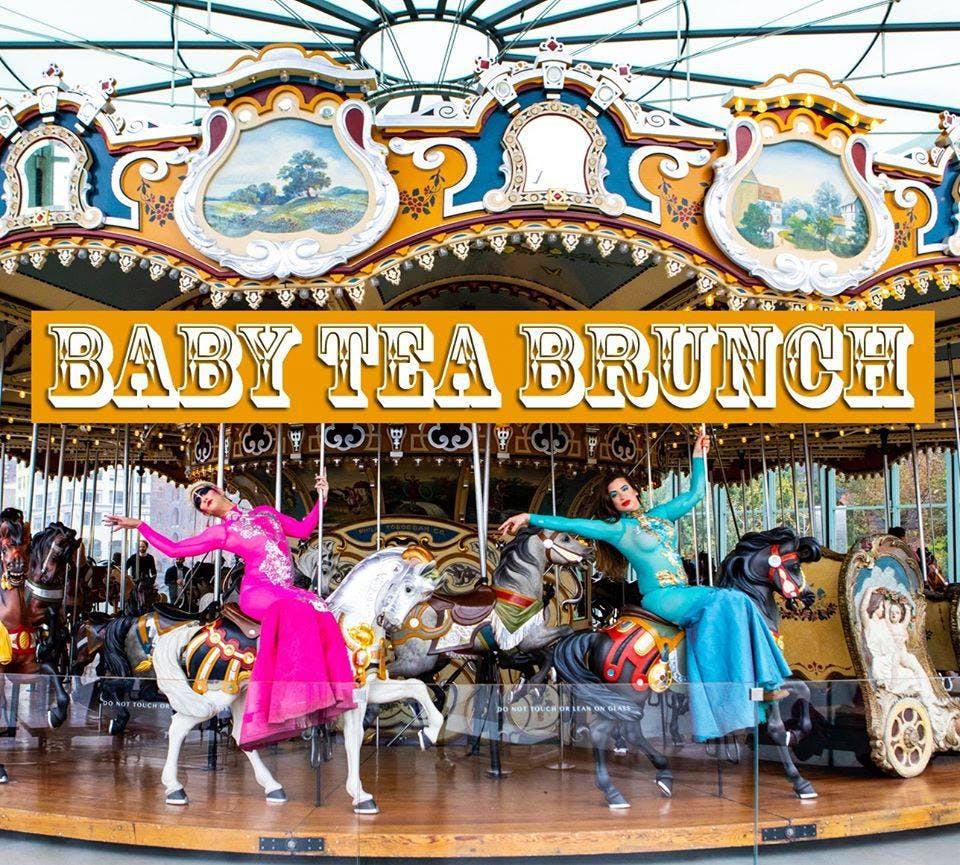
<point>686,501</point>
<point>595,530</point>
<point>212,538</point>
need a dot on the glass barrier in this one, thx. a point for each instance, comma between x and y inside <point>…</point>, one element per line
<point>520,769</point>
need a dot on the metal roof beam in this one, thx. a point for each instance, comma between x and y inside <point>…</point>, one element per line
<point>153,87</point>
<point>506,14</point>
<point>728,81</point>
<point>339,13</point>
<point>560,18</point>
<point>253,15</point>
<point>734,32</point>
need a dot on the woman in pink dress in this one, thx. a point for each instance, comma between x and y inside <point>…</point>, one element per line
<point>302,675</point>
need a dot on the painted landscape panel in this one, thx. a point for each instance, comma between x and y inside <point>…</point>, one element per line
<point>798,199</point>
<point>285,176</point>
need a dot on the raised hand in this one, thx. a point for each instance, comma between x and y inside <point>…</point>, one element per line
<point>118,522</point>
<point>702,445</point>
<point>512,525</point>
<point>322,486</point>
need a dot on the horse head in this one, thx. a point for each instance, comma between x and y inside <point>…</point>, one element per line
<point>14,545</point>
<point>386,586</point>
<point>411,584</point>
<point>525,558</point>
<point>764,563</point>
<point>50,551</point>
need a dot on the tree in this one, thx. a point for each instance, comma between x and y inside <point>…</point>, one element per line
<point>754,225</point>
<point>823,226</point>
<point>303,171</point>
<point>266,193</point>
<point>827,199</point>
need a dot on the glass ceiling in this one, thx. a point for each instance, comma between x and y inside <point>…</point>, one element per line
<point>901,55</point>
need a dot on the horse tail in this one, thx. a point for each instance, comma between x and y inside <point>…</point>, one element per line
<point>588,689</point>
<point>115,660</point>
<point>172,680</point>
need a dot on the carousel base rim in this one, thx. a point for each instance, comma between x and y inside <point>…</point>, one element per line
<point>227,812</point>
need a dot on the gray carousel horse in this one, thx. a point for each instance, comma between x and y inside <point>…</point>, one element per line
<point>377,594</point>
<point>506,617</point>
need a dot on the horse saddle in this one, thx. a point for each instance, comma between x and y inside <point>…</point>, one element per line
<point>467,609</point>
<point>249,627</point>
<point>169,614</point>
<point>222,651</point>
<point>630,612</point>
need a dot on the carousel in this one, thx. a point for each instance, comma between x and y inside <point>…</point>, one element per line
<point>512,695</point>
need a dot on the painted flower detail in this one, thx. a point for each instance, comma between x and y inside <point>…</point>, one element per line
<point>158,208</point>
<point>903,232</point>
<point>680,209</point>
<point>420,200</point>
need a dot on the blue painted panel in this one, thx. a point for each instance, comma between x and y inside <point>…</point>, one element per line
<point>489,150</point>
<point>945,225</point>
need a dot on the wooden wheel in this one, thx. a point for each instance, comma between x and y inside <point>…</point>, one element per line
<point>907,737</point>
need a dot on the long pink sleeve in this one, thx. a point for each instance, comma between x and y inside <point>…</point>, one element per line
<point>212,538</point>
<point>293,528</point>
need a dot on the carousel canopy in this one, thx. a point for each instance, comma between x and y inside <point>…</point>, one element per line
<point>679,74</point>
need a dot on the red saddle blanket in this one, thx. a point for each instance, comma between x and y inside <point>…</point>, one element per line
<point>640,649</point>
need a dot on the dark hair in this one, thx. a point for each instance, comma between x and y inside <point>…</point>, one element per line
<point>200,492</point>
<point>610,560</point>
<point>897,532</point>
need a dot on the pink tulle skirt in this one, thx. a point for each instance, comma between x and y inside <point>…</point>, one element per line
<point>301,677</point>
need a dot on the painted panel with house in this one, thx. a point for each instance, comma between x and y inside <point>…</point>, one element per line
<point>797,198</point>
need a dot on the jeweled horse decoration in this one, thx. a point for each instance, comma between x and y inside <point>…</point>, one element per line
<point>505,616</point>
<point>202,669</point>
<point>31,594</point>
<point>614,671</point>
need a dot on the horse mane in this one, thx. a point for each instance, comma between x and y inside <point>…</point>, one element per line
<point>385,552</point>
<point>517,555</point>
<point>41,543</point>
<point>12,525</point>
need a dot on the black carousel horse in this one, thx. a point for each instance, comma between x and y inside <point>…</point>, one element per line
<point>762,565</point>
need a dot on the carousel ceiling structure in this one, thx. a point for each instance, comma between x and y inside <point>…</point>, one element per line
<point>418,61</point>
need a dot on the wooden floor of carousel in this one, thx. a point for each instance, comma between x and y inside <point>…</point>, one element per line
<point>79,783</point>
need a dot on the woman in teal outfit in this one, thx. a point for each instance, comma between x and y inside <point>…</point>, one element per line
<point>727,640</point>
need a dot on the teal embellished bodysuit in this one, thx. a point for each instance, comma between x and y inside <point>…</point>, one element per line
<point>648,541</point>
<point>729,647</point>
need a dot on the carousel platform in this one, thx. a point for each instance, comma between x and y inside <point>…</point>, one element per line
<point>440,803</point>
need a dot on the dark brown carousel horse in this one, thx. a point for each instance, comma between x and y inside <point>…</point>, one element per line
<point>617,670</point>
<point>31,598</point>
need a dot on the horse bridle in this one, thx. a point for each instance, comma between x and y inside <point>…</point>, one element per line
<point>551,544</point>
<point>38,591</point>
<point>777,566</point>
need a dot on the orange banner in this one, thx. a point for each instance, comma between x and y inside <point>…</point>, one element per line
<point>505,367</point>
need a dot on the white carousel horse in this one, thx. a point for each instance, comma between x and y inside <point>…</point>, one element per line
<point>378,593</point>
<point>364,618</point>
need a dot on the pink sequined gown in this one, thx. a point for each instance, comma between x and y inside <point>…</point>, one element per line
<point>302,675</point>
